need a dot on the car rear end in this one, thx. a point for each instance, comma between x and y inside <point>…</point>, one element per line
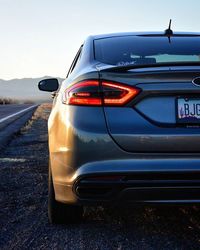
<point>133,132</point>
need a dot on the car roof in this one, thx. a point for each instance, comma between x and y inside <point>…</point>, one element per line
<point>101,36</point>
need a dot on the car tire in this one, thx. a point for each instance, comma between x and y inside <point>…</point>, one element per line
<point>58,212</point>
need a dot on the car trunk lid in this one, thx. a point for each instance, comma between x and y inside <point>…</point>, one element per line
<point>149,123</point>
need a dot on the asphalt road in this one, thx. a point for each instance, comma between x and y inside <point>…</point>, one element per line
<point>12,110</point>
<point>12,118</point>
<point>23,208</point>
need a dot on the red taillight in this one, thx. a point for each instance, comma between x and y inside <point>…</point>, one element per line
<point>92,93</point>
<point>84,93</point>
<point>116,94</point>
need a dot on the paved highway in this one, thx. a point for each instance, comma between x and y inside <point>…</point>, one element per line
<point>11,110</point>
<point>12,118</point>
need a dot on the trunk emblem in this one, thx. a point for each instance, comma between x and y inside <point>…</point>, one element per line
<point>196,81</point>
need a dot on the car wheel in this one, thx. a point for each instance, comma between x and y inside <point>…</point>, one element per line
<point>60,213</point>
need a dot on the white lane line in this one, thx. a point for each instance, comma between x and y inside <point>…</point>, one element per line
<point>21,111</point>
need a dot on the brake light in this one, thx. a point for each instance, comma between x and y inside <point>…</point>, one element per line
<point>116,94</point>
<point>92,93</point>
<point>84,93</point>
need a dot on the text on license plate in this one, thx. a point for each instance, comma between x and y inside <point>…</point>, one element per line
<point>188,110</point>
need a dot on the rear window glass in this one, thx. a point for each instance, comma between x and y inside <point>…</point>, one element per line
<point>125,50</point>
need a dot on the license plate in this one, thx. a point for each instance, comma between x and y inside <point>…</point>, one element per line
<point>188,110</point>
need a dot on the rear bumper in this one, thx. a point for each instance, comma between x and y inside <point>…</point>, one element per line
<point>169,180</point>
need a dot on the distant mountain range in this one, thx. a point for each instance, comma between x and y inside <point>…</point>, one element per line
<point>25,89</point>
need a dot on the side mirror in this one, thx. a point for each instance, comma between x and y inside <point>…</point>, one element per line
<point>49,85</point>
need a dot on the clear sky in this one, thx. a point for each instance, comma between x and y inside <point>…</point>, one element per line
<point>41,37</point>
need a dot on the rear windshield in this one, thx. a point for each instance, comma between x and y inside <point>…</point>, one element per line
<point>125,50</point>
